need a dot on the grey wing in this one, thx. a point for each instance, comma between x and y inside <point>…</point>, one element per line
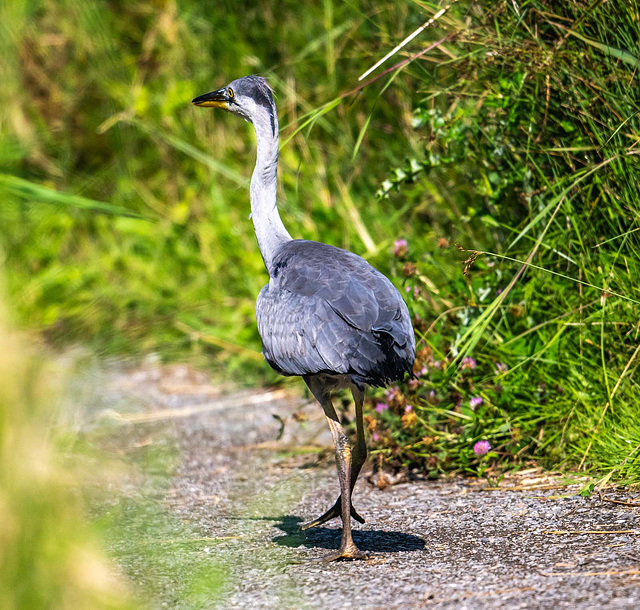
<point>355,290</point>
<point>301,334</point>
<point>327,310</point>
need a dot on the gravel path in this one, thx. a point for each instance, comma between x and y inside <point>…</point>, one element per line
<point>444,544</point>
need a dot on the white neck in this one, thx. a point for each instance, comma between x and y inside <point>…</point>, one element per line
<point>270,231</point>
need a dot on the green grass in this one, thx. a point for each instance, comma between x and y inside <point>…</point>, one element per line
<point>50,555</point>
<point>124,223</point>
<point>532,133</point>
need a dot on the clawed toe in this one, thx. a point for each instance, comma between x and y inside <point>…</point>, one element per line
<point>332,513</point>
<point>316,522</point>
<point>350,553</point>
<point>356,516</point>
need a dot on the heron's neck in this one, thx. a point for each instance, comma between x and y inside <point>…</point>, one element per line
<point>270,231</point>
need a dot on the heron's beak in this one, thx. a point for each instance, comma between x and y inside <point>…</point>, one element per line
<point>215,99</point>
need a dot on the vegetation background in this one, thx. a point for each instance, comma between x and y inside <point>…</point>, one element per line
<point>506,157</point>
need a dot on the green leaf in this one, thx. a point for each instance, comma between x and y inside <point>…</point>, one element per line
<point>28,190</point>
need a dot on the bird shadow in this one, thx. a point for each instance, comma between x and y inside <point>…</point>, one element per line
<point>372,541</point>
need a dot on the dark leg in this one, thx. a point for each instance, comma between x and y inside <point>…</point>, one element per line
<point>359,457</point>
<point>348,549</point>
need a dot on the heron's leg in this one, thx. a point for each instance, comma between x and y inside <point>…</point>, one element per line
<point>360,450</point>
<point>348,549</point>
<point>358,458</point>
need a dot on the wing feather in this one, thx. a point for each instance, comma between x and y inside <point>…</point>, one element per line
<point>327,310</point>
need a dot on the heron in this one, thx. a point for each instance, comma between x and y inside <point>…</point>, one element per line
<point>326,314</point>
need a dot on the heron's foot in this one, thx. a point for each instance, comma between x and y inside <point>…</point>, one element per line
<point>334,511</point>
<point>348,552</point>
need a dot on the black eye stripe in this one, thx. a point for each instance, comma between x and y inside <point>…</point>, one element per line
<point>262,100</point>
<point>257,91</point>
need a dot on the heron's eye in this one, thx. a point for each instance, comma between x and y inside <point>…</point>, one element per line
<point>230,92</point>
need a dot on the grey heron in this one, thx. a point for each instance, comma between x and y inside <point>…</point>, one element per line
<point>326,314</point>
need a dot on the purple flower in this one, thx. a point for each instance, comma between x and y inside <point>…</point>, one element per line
<point>501,368</point>
<point>416,292</point>
<point>375,437</point>
<point>475,402</point>
<point>400,247</point>
<point>392,393</point>
<point>481,448</point>
<point>423,371</point>
<point>381,406</point>
<point>412,384</point>
<point>408,409</point>
<point>468,363</point>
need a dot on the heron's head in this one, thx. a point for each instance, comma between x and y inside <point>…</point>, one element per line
<point>249,97</point>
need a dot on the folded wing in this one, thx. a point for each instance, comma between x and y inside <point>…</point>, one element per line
<point>326,310</point>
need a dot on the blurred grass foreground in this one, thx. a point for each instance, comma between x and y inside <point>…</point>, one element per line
<point>49,556</point>
<point>494,178</point>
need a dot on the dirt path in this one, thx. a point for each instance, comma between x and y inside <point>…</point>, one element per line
<point>433,544</point>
